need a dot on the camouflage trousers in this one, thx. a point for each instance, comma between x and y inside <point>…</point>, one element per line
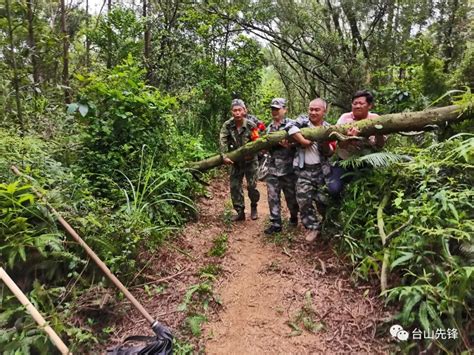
<point>237,173</point>
<point>310,194</point>
<point>275,184</point>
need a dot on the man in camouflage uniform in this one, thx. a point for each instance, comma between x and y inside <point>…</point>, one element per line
<point>235,133</point>
<point>311,166</point>
<point>281,175</point>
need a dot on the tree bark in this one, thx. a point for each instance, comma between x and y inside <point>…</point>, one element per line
<point>88,42</point>
<point>146,40</point>
<point>356,36</point>
<point>32,45</point>
<point>398,122</point>
<point>65,79</point>
<point>16,80</point>
<point>109,37</point>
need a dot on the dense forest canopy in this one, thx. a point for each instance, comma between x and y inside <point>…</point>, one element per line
<point>105,108</point>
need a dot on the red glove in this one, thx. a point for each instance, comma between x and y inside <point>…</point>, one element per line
<point>261,126</point>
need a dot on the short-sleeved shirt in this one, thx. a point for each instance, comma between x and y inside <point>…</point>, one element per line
<point>348,117</point>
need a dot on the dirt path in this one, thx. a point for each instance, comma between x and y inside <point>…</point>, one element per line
<point>291,298</point>
<point>278,295</point>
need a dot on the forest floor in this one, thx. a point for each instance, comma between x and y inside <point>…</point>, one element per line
<point>272,295</point>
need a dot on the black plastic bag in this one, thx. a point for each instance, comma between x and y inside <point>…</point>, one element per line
<point>161,344</point>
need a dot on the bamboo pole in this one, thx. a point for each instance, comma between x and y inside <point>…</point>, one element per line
<point>34,312</point>
<point>93,256</point>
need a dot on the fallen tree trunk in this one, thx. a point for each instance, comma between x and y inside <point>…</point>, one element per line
<point>392,123</point>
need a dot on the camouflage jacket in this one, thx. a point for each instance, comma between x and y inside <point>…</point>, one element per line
<point>293,127</point>
<point>281,158</point>
<point>230,138</point>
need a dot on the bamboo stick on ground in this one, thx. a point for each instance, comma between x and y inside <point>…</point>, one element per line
<point>34,312</point>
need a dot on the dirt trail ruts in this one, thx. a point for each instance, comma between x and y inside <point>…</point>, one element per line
<point>291,298</point>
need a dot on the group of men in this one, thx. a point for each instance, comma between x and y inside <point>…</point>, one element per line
<point>299,167</point>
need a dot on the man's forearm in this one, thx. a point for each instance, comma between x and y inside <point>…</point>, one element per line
<point>298,137</point>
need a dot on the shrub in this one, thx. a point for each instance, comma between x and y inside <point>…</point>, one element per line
<point>430,260</point>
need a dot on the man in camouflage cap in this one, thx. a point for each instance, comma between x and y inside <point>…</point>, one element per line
<point>281,175</point>
<point>235,133</point>
<point>312,166</point>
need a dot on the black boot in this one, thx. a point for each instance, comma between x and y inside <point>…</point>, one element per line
<point>240,216</point>
<point>253,212</point>
<point>272,230</point>
<point>293,221</point>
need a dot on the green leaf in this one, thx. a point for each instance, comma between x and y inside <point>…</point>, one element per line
<point>195,323</point>
<point>469,270</point>
<point>11,259</point>
<point>21,251</point>
<point>6,315</point>
<point>409,304</point>
<point>406,256</point>
<point>295,329</point>
<point>453,211</point>
<point>434,315</point>
<point>423,317</point>
<point>71,108</point>
<point>83,109</point>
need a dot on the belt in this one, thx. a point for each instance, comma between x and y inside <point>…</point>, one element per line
<point>311,167</point>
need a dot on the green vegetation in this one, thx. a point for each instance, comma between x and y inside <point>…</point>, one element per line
<point>305,318</point>
<point>198,299</point>
<point>428,261</point>
<point>104,112</point>
<point>210,271</point>
<point>194,323</point>
<point>219,246</point>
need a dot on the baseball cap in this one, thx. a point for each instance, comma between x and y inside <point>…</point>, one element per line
<point>279,102</point>
<point>237,102</point>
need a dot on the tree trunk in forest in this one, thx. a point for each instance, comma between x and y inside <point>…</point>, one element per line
<point>356,36</point>
<point>88,42</point>
<point>16,84</point>
<point>109,39</point>
<point>65,81</point>
<point>146,40</point>
<point>448,41</point>
<point>32,45</point>
<point>392,123</point>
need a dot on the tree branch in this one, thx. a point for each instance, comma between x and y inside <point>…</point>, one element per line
<point>392,123</point>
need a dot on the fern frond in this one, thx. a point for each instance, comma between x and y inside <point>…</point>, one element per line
<point>465,100</point>
<point>465,150</point>
<point>376,160</point>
